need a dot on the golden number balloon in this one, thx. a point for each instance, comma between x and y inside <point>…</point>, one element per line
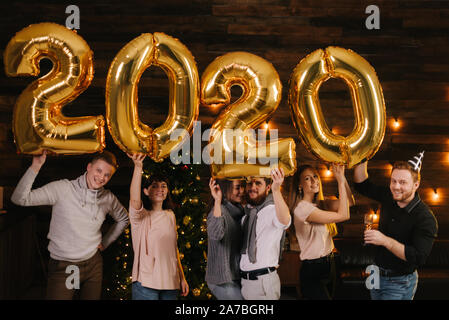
<point>128,132</point>
<point>367,99</point>
<point>261,95</point>
<point>38,121</point>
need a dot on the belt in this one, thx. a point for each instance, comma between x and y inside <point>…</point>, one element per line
<point>324,259</point>
<point>252,275</point>
<point>392,273</point>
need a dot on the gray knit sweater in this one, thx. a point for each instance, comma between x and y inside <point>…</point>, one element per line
<point>224,244</point>
<point>77,215</point>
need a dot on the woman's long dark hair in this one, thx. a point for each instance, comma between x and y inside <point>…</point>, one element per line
<point>297,196</point>
<point>168,203</point>
<point>226,191</point>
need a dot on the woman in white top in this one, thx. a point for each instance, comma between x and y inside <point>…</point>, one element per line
<point>314,221</point>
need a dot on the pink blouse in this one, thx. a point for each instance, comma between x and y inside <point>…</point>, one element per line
<point>154,240</point>
<point>313,238</point>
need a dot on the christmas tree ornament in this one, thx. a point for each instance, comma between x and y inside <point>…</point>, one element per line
<point>186,220</point>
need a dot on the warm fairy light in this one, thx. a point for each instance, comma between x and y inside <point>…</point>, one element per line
<point>396,123</point>
<point>436,196</point>
<point>266,125</point>
<point>328,172</point>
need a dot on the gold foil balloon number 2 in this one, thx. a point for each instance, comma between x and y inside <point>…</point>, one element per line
<point>38,122</point>
<point>231,132</point>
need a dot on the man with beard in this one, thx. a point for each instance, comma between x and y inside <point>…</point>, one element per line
<point>407,229</point>
<point>266,218</point>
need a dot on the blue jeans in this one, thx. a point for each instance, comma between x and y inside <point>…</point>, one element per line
<point>143,293</point>
<point>226,291</point>
<point>396,288</point>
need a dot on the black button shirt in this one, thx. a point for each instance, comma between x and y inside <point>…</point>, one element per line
<point>414,226</point>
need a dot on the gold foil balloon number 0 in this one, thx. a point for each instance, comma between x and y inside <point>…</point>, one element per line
<point>128,132</point>
<point>38,121</point>
<point>367,100</point>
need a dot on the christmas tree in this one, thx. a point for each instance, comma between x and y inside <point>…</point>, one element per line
<point>117,268</point>
<point>188,193</point>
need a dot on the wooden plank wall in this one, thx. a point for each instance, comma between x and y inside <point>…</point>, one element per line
<point>409,53</point>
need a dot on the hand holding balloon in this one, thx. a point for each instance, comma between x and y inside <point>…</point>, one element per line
<point>215,190</point>
<point>339,172</point>
<point>38,161</point>
<point>137,159</point>
<point>277,176</point>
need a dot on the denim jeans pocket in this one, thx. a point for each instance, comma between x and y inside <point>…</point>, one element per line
<point>402,281</point>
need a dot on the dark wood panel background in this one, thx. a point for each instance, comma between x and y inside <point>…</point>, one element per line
<point>409,53</point>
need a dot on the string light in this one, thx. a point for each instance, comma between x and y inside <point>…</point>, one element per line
<point>396,123</point>
<point>328,172</point>
<point>436,196</point>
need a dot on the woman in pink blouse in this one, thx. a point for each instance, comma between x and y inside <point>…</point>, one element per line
<point>314,221</point>
<point>157,271</point>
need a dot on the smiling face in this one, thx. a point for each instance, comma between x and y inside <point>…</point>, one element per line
<point>402,186</point>
<point>237,191</point>
<point>157,191</point>
<point>257,190</point>
<point>98,174</point>
<point>309,182</point>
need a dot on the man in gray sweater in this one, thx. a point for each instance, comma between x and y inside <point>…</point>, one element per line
<point>79,208</point>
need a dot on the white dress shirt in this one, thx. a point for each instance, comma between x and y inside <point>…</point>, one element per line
<point>268,238</point>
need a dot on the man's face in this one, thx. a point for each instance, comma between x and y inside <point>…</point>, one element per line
<point>257,190</point>
<point>98,174</point>
<point>402,186</point>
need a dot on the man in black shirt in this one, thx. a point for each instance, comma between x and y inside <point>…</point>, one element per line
<point>407,229</point>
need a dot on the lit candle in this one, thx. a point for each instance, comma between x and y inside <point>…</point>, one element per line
<point>375,221</point>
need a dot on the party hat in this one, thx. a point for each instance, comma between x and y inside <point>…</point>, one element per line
<point>416,162</point>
